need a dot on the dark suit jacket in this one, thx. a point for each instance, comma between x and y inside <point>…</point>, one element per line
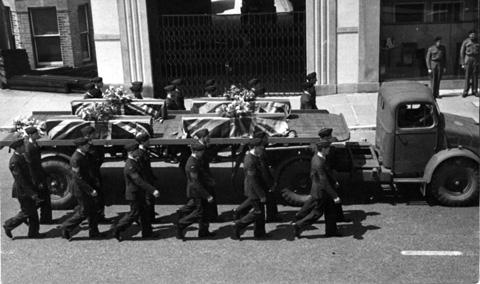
<point>136,186</point>
<point>320,179</point>
<point>34,160</point>
<point>196,179</point>
<point>146,165</point>
<point>22,181</point>
<point>254,184</point>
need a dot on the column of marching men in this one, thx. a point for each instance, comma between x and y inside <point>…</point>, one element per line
<point>31,190</point>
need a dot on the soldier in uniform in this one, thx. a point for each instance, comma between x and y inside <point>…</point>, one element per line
<point>143,140</point>
<point>179,93</point>
<point>312,79</point>
<point>323,197</point>
<point>96,156</point>
<point>436,64</point>
<point>210,91</point>
<point>170,102</point>
<point>255,189</point>
<point>470,61</point>
<point>306,100</point>
<point>256,87</point>
<point>197,195</point>
<point>24,190</point>
<point>211,210</point>
<point>34,160</point>
<point>83,189</point>
<point>136,190</point>
<point>92,92</point>
<point>137,89</point>
<point>98,81</point>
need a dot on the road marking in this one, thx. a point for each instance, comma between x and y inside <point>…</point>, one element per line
<point>432,252</point>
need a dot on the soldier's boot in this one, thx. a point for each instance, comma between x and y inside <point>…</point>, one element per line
<point>272,210</point>
<point>66,235</point>
<point>8,232</point>
<point>203,231</point>
<point>296,230</point>
<point>237,231</point>
<point>180,234</point>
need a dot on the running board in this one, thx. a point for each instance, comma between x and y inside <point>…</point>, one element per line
<point>409,180</point>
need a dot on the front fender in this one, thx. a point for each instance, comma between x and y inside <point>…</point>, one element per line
<point>444,155</point>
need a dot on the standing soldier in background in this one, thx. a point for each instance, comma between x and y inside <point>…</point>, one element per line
<point>436,63</point>
<point>34,160</point>
<point>179,93</point>
<point>92,92</point>
<point>307,99</point>
<point>170,102</point>
<point>470,61</point>
<point>24,190</point>
<point>312,79</point>
<point>98,82</point>
<point>145,165</point>
<point>83,188</point>
<point>137,89</point>
<point>136,190</point>
<point>210,91</point>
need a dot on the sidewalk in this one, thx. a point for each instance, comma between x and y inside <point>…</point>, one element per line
<point>359,109</point>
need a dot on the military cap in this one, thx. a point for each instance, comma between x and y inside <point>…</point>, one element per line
<point>136,86</point>
<point>202,133</point>
<point>132,146</point>
<point>87,130</point>
<point>16,143</point>
<point>197,147</point>
<point>210,88</point>
<point>261,138</point>
<point>472,32</point>
<point>169,88</point>
<point>210,82</point>
<point>31,130</point>
<point>142,137</point>
<point>326,138</point>
<point>311,76</point>
<point>89,86</point>
<point>437,38</point>
<point>177,81</point>
<point>80,141</point>
<point>97,80</point>
<point>253,82</point>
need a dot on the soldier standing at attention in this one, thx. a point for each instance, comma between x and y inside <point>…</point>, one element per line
<point>137,89</point>
<point>145,165</point>
<point>34,160</point>
<point>92,92</point>
<point>83,188</point>
<point>98,82</point>
<point>306,101</point>
<point>470,61</point>
<point>179,93</point>
<point>255,188</point>
<point>323,197</point>
<point>197,195</point>
<point>170,102</point>
<point>136,190</point>
<point>312,79</point>
<point>436,64</point>
<point>24,190</point>
<point>210,91</point>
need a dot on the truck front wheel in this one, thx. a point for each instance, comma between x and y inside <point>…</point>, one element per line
<point>455,182</point>
<point>58,178</point>
<point>293,180</point>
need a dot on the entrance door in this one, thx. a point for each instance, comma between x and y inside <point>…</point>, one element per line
<point>415,138</point>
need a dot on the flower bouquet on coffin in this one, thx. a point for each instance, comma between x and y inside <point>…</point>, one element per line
<point>22,122</point>
<point>117,98</point>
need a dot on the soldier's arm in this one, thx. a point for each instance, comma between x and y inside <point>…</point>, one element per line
<point>251,171</point>
<point>139,181</point>
<point>427,59</point>
<point>195,178</point>
<point>445,57</point>
<point>23,179</point>
<point>462,52</point>
<point>83,185</point>
<point>323,176</point>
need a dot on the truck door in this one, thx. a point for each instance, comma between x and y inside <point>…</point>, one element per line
<point>415,138</point>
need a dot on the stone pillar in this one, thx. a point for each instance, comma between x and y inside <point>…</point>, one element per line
<point>135,44</point>
<point>369,45</point>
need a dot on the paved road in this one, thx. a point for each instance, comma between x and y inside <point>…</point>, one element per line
<point>370,251</point>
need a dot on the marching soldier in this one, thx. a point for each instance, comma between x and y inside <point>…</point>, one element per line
<point>92,92</point>
<point>24,190</point>
<point>179,96</point>
<point>470,61</point>
<point>436,64</point>
<point>34,160</point>
<point>137,89</point>
<point>98,82</point>
<point>136,190</point>
<point>170,102</point>
<point>255,190</point>
<point>143,140</point>
<point>96,156</point>
<point>323,197</point>
<point>197,194</point>
<point>83,187</point>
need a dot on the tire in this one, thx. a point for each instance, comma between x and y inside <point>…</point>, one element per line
<point>455,182</point>
<point>58,177</point>
<point>293,180</point>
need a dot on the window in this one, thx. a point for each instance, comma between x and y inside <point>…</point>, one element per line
<point>409,13</point>
<point>447,12</point>
<point>415,115</point>
<point>84,28</point>
<point>46,38</point>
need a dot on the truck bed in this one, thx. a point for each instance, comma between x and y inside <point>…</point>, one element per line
<point>306,123</point>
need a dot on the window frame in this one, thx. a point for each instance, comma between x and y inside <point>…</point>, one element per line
<point>395,7</point>
<point>85,9</point>
<point>35,36</point>
<point>410,128</point>
<point>462,8</point>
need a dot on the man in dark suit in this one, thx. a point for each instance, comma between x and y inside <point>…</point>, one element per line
<point>34,159</point>
<point>83,188</point>
<point>255,189</point>
<point>436,60</point>
<point>143,140</point>
<point>179,93</point>
<point>96,156</point>
<point>197,195</point>
<point>136,190</point>
<point>24,190</point>
<point>323,196</point>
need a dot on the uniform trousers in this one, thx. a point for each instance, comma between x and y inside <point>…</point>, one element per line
<point>314,209</point>
<point>194,211</point>
<point>472,68</point>
<point>137,210</point>
<point>84,210</point>
<point>256,215</point>
<point>46,206</point>
<point>437,72</point>
<point>28,211</point>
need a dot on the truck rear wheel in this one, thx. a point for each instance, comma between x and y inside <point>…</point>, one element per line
<point>58,177</point>
<point>293,180</point>
<point>455,182</point>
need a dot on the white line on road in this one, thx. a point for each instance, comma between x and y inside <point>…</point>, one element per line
<point>432,252</point>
